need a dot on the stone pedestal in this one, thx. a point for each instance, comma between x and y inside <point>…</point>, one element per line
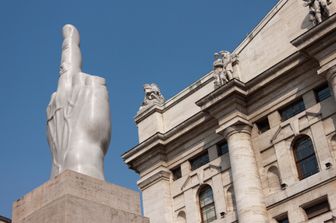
<point>72,197</point>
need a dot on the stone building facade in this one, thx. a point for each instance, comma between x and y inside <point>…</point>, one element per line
<point>254,140</point>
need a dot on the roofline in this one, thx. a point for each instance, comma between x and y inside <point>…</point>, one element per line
<point>183,93</point>
<point>2,218</point>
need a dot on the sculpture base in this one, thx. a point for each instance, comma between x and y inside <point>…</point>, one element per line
<point>73,197</point>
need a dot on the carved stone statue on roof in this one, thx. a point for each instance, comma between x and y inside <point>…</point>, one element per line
<point>153,96</point>
<point>318,10</point>
<point>225,67</point>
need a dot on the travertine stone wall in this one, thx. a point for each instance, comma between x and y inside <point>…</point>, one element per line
<point>73,197</point>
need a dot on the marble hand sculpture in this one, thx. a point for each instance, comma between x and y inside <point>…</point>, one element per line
<point>152,96</point>
<point>318,10</point>
<point>79,121</point>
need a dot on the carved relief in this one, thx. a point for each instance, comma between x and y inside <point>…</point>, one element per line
<point>225,67</point>
<point>318,10</point>
<point>153,96</point>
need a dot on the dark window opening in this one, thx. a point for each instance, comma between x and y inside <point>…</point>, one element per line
<point>263,125</point>
<point>199,160</point>
<point>322,93</point>
<point>222,148</point>
<point>207,204</point>
<point>305,158</point>
<point>284,220</point>
<point>292,109</point>
<point>317,208</point>
<point>177,173</point>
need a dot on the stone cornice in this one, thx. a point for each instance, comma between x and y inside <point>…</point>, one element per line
<point>234,86</point>
<point>141,115</point>
<point>235,92</point>
<point>316,33</point>
<point>276,71</point>
<point>159,140</point>
<point>161,175</point>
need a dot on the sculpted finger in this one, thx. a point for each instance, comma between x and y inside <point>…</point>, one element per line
<point>71,61</point>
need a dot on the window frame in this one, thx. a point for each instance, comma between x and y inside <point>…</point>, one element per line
<point>316,204</point>
<point>320,88</point>
<point>300,161</point>
<point>199,156</point>
<point>282,218</point>
<point>176,170</point>
<point>291,106</point>
<point>219,147</point>
<point>209,206</point>
<point>261,125</point>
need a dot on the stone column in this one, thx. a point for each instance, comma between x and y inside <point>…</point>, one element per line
<point>248,191</point>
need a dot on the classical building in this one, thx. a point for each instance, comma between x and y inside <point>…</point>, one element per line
<point>254,140</point>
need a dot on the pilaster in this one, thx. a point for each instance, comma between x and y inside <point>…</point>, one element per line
<point>157,197</point>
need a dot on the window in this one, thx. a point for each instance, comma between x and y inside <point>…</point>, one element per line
<point>222,148</point>
<point>263,125</point>
<point>316,208</point>
<point>177,173</point>
<point>322,93</point>
<point>292,109</point>
<point>199,160</point>
<point>207,204</point>
<point>305,158</point>
<point>284,220</point>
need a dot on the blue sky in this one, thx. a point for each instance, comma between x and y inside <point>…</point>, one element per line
<point>128,42</point>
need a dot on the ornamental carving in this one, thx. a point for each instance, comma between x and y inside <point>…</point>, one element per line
<point>318,10</point>
<point>153,96</point>
<point>225,67</point>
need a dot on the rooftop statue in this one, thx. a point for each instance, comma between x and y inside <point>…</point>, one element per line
<point>153,96</point>
<point>318,10</point>
<point>79,122</point>
<point>224,67</point>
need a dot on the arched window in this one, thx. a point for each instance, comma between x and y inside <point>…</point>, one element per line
<point>305,158</point>
<point>207,204</point>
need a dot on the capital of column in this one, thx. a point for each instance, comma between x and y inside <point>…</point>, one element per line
<point>237,128</point>
<point>330,74</point>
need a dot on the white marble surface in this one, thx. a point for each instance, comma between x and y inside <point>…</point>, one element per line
<point>79,121</point>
